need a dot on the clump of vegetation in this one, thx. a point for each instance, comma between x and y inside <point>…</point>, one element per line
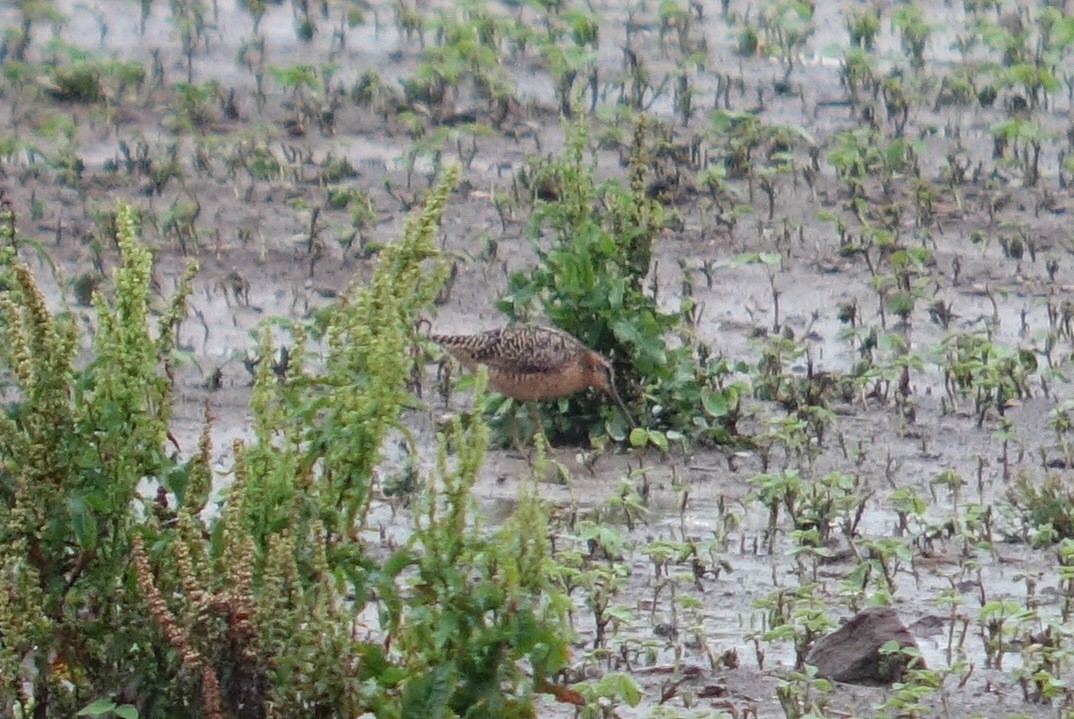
<point>1044,509</point>
<point>590,281</point>
<point>279,605</point>
<point>74,446</point>
<point>76,83</point>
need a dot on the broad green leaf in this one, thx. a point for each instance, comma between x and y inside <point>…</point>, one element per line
<point>618,684</point>
<point>98,706</point>
<point>715,403</point>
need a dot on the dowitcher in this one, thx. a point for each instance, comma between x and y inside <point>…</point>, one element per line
<point>529,362</point>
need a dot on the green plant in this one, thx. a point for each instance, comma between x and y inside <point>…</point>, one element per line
<point>75,446</point>
<point>1047,658</point>
<point>863,25</point>
<point>915,684</point>
<point>750,145</point>
<point>994,374</point>
<point>1043,509</point>
<point>257,9</point>
<point>17,36</point>
<point>146,607</point>
<point>257,159</point>
<point>673,17</point>
<point>914,32</point>
<point>1064,552</point>
<point>1019,142</point>
<point>606,694</point>
<point>859,75</point>
<point>881,560</point>
<point>465,58</point>
<point>568,50</point>
<point>803,694</point>
<point>76,82</point>
<point>798,615</point>
<point>567,65</point>
<point>999,621</point>
<point>590,282</point>
<point>786,26</point>
<point>190,20</point>
<point>193,110</point>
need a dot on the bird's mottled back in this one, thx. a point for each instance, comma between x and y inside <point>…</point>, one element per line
<point>521,349</point>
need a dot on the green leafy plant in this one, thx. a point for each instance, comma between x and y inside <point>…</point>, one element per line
<point>1018,141</point>
<point>76,82</point>
<point>464,60</point>
<point>994,374</point>
<point>798,615</point>
<point>75,445</point>
<point>147,607</point>
<point>1044,509</point>
<point>912,694</point>
<point>863,25</point>
<point>786,26</point>
<point>590,282</point>
<point>803,694</point>
<point>914,32</point>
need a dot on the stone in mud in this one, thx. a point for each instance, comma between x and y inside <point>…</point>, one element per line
<point>851,653</point>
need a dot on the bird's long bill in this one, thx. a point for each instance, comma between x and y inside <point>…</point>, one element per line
<point>622,407</point>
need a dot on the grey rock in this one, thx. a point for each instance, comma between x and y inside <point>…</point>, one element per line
<point>851,653</point>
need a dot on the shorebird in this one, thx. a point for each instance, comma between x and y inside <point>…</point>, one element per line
<point>529,362</point>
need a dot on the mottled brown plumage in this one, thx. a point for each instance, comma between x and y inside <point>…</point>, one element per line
<point>528,362</point>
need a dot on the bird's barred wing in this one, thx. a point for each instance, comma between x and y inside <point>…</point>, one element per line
<point>526,349</point>
<point>521,349</point>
